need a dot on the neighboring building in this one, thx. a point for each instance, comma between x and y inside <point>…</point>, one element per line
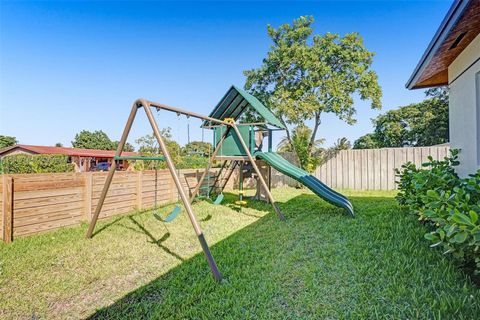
<point>85,159</point>
<point>453,58</point>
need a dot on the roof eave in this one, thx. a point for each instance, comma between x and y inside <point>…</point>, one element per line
<point>447,24</point>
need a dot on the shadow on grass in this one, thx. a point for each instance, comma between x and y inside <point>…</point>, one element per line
<point>153,240</point>
<point>319,264</point>
<point>107,225</point>
<point>244,259</point>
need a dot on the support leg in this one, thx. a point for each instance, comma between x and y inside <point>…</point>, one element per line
<point>209,166</point>
<point>113,167</point>
<point>183,195</point>
<point>257,171</point>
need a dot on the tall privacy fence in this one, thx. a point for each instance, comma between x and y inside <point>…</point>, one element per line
<point>373,169</point>
<point>33,203</point>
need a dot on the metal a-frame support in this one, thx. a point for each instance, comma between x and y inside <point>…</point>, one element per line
<point>186,201</point>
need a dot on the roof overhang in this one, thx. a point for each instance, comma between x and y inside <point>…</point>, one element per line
<point>459,27</point>
<point>236,101</point>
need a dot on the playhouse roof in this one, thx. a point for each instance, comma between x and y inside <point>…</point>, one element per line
<point>236,101</point>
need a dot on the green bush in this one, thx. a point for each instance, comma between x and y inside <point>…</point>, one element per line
<point>434,175</point>
<point>42,163</point>
<point>181,162</point>
<point>445,202</point>
<point>192,162</point>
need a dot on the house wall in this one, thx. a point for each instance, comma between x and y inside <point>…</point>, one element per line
<point>464,111</point>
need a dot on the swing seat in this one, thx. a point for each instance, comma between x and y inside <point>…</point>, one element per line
<point>171,216</point>
<point>219,199</point>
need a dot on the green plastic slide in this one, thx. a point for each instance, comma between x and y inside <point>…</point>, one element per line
<point>305,178</point>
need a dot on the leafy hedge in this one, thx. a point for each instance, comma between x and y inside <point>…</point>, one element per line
<point>181,162</point>
<point>449,204</point>
<point>42,163</point>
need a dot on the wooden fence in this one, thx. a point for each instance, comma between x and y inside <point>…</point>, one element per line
<point>373,169</point>
<point>33,203</point>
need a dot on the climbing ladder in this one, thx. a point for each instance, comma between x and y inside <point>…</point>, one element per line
<point>224,175</point>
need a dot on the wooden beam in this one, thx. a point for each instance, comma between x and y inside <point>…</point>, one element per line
<point>7,209</point>
<point>260,177</point>
<point>88,195</point>
<point>139,204</point>
<point>113,167</point>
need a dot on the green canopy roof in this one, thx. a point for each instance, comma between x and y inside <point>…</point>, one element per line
<point>236,101</point>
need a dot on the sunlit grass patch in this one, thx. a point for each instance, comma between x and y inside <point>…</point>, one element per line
<point>318,264</point>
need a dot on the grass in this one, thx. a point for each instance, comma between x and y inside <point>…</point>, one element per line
<point>317,264</point>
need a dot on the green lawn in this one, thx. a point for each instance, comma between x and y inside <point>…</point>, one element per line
<point>318,264</point>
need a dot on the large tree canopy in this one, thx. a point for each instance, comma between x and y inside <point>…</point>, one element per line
<point>97,140</point>
<point>93,140</point>
<point>414,125</point>
<point>304,76</point>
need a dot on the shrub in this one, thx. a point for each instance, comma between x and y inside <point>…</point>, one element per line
<point>192,162</point>
<point>448,204</point>
<point>42,163</point>
<point>455,216</point>
<point>182,162</point>
<point>434,175</point>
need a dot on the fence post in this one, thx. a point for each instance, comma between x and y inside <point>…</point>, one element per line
<point>7,209</point>
<point>139,190</point>
<point>88,195</point>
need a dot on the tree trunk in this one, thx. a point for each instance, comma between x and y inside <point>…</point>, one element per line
<point>314,132</point>
<point>289,137</point>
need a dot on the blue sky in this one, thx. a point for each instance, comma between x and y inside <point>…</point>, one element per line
<point>68,66</point>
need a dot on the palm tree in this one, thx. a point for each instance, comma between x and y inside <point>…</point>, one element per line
<point>300,145</point>
<point>342,144</point>
<point>339,145</point>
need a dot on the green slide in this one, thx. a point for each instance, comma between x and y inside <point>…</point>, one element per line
<point>319,188</point>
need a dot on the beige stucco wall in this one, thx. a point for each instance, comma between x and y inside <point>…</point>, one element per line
<point>464,79</point>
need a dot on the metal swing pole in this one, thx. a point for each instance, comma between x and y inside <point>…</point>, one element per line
<point>255,167</point>
<point>183,196</point>
<point>112,169</point>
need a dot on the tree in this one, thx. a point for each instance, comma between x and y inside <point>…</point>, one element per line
<point>418,124</point>
<point>58,144</point>
<point>303,77</point>
<point>93,140</point>
<point>367,141</point>
<point>127,147</point>
<point>299,143</point>
<point>149,147</point>
<point>341,144</point>
<point>7,141</point>
<point>198,148</point>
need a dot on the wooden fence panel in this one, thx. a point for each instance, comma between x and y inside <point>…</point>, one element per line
<point>373,169</point>
<point>2,212</point>
<point>47,201</point>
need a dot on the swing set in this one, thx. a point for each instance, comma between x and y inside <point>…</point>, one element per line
<point>236,145</point>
